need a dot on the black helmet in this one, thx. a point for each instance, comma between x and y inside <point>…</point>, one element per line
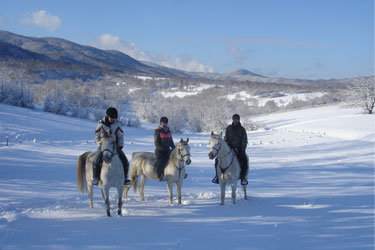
<point>112,112</point>
<point>164,119</point>
<point>236,116</point>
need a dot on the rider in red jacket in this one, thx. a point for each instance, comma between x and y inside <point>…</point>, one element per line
<point>164,145</point>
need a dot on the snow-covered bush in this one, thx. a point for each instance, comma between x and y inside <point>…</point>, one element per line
<point>361,93</point>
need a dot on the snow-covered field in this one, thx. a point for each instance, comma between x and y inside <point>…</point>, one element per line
<point>280,101</point>
<point>311,186</point>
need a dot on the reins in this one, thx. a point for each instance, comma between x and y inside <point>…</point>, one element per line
<point>224,169</point>
<point>183,165</point>
<point>113,152</point>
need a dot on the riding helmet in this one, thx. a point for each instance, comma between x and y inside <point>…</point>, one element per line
<point>236,116</point>
<point>164,120</point>
<point>112,112</point>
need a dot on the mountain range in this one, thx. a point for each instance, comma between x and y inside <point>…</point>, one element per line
<point>56,58</point>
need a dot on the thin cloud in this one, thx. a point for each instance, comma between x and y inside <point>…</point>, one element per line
<point>42,19</point>
<point>111,42</point>
<point>239,55</point>
<point>284,42</point>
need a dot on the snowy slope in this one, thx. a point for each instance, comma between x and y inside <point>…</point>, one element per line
<point>311,186</point>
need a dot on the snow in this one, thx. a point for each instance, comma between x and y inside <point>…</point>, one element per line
<point>281,101</point>
<point>146,78</point>
<point>190,90</point>
<point>311,186</point>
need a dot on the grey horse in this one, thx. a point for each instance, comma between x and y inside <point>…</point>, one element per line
<point>112,173</point>
<point>228,167</point>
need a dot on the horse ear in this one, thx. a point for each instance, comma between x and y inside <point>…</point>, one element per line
<point>212,133</point>
<point>181,140</point>
<point>187,141</point>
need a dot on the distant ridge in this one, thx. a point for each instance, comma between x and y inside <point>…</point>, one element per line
<point>61,54</point>
<point>241,73</point>
<point>56,58</point>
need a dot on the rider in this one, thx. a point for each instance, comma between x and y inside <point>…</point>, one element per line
<point>236,138</point>
<point>164,145</point>
<point>110,122</point>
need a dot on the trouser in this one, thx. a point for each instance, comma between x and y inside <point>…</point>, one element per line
<point>162,158</point>
<point>242,159</point>
<point>99,158</point>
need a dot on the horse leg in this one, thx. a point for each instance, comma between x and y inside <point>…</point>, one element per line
<point>90,191</point>
<point>119,200</point>
<point>244,192</point>
<point>142,184</point>
<point>178,188</point>
<point>125,191</point>
<point>170,191</point>
<point>222,188</point>
<point>234,189</point>
<point>106,200</point>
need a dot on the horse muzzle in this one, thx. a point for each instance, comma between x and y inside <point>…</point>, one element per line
<point>211,156</point>
<point>187,162</point>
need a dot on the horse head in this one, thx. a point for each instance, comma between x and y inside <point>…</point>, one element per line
<point>184,151</point>
<point>107,145</point>
<point>215,145</point>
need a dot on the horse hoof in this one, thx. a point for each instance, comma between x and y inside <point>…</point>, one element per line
<point>108,214</point>
<point>119,212</point>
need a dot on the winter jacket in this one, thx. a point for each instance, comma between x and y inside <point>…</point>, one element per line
<point>236,137</point>
<point>163,139</point>
<point>116,130</point>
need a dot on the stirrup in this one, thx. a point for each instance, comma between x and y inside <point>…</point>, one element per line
<point>95,181</point>
<point>215,180</point>
<point>127,182</point>
<point>244,182</point>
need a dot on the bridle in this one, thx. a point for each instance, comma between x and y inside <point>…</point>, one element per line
<point>179,167</point>
<point>223,169</point>
<point>182,156</point>
<point>217,149</point>
<point>113,152</point>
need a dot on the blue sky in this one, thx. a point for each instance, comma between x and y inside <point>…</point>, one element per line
<point>312,39</point>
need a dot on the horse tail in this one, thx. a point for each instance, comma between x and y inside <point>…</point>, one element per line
<point>81,172</point>
<point>133,173</point>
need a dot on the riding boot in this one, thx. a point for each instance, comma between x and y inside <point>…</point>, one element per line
<point>96,174</point>
<point>244,168</point>
<point>97,166</point>
<point>125,164</point>
<point>215,180</point>
<point>162,160</point>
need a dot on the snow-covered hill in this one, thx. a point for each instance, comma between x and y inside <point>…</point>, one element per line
<point>311,186</point>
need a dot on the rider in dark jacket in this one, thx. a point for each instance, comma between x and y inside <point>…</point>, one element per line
<point>164,145</point>
<point>236,138</point>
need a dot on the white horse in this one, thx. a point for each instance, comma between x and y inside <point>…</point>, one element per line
<point>142,164</point>
<point>112,172</point>
<point>228,168</point>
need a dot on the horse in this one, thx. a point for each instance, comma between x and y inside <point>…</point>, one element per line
<point>228,167</point>
<point>112,173</point>
<point>142,164</point>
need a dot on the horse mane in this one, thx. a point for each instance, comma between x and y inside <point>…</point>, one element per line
<point>173,156</point>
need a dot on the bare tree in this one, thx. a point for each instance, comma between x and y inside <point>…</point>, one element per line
<point>362,93</point>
